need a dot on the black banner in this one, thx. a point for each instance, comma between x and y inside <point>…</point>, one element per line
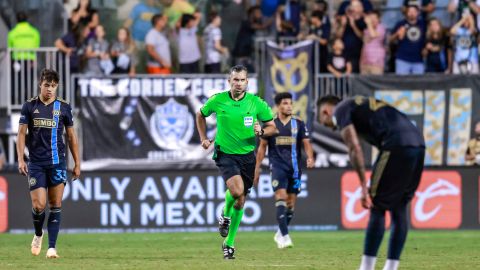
<point>145,122</point>
<point>291,70</point>
<point>153,201</point>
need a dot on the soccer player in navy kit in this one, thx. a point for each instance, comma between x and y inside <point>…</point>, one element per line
<point>396,172</point>
<point>284,153</point>
<point>45,117</point>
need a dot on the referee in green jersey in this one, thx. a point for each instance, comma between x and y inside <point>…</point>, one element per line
<point>238,113</point>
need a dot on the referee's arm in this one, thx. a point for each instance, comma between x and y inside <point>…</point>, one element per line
<point>202,129</point>
<point>269,128</point>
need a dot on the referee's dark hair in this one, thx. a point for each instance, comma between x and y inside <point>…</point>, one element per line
<point>280,96</point>
<point>238,68</point>
<point>49,75</point>
<point>328,99</point>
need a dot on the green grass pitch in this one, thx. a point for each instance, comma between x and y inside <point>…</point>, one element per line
<point>255,250</point>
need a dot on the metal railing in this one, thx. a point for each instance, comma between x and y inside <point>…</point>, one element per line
<point>23,70</point>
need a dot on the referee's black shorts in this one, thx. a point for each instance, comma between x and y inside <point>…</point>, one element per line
<point>396,176</point>
<point>237,164</point>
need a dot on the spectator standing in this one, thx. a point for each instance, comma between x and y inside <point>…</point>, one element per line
<point>158,47</point>
<point>98,57</point>
<point>23,36</point>
<point>472,156</point>
<point>139,23</point>
<point>73,45</point>
<point>212,37</point>
<point>319,32</point>
<point>123,53</point>
<point>410,35</point>
<point>465,58</point>
<point>436,48</point>
<point>338,63</point>
<point>372,61</point>
<point>288,19</point>
<point>84,14</point>
<point>174,10</point>
<point>343,8</point>
<point>188,48</point>
<point>243,50</point>
<point>426,7</point>
<point>351,28</point>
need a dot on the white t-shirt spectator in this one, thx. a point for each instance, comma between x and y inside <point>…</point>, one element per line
<point>161,44</point>
<point>210,35</point>
<point>188,50</point>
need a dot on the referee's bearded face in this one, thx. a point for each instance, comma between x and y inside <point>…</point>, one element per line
<point>238,82</point>
<point>48,90</point>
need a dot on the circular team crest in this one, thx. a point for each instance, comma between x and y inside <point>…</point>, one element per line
<point>413,33</point>
<point>275,183</point>
<point>171,125</point>
<point>465,42</point>
<point>32,181</point>
<point>56,112</point>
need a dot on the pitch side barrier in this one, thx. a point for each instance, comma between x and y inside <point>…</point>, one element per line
<point>188,200</point>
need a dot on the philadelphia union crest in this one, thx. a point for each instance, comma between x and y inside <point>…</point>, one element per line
<point>171,125</point>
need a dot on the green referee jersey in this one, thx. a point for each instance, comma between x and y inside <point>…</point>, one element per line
<point>235,120</point>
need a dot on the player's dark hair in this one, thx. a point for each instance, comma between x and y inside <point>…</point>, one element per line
<point>328,99</point>
<point>49,75</point>
<point>186,18</point>
<point>238,68</point>
<point>212,16</point>
<point>21,17</point>
<point>156,18</point>
<point>281,96</point>
<point>317,14</point>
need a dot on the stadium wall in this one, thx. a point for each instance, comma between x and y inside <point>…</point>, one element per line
<point>164,201</point>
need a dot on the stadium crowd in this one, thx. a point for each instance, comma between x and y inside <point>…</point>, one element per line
<point>173,36</point>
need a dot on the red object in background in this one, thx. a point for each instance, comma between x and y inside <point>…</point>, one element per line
<point>437,203</point>
<point>3,205</point>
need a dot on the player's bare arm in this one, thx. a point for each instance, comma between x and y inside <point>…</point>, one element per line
<point>261,150</point>
<point>309,151</point>
<point>202,130</point>
<point>355,152</point>
<point>73,145</point>
<point>22,133</point>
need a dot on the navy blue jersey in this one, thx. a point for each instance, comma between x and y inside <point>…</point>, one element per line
<point>285,148</point>
<point>45,129</point>
<point>377,122</point>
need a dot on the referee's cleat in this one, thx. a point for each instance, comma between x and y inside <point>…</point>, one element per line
<point>52,253</point>
<point>37,244</point>
<point>228,252</point>
<point>223,225</point>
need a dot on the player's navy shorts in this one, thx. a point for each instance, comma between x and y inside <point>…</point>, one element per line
<point>396,175</point>
<point>237,164</point>
<point>283,178</point>
<point>46,175</point>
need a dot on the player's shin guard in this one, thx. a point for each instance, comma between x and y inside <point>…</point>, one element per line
<point>229,202</point>
<point>375,231</point>
<point>236,218</point>
<point>290,212</point>
<point>399,232</point>
<point>38,217</point>
<point>281,206</point>
<point>54,219</point>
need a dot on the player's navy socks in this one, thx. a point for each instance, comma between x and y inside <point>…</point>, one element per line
<point>38,219</point>
<point>290,212</point>
<point>282,216</point>
<point>399,232</point>
<point>375,231</point>
<point>54,219</point>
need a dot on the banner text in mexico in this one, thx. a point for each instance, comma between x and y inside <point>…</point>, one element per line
<point>291,70</point>
<point>162,201</point>
<point>445,108</point>
<point>146,122</point>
